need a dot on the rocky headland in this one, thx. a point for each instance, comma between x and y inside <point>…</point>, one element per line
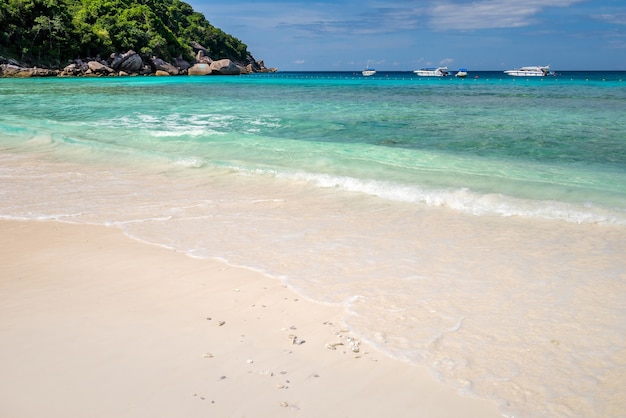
<point>130,63</point>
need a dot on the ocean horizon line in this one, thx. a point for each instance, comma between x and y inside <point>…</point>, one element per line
<point>356,70</point>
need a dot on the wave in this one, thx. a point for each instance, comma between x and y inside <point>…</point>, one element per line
<point>467,201</point>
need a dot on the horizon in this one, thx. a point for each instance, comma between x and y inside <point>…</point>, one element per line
<point>451,69</point>
<point>482,35</point>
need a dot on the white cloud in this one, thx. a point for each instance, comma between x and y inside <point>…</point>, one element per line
<point>352,18</point>
<point>618,19</point>
<point>490,14</point>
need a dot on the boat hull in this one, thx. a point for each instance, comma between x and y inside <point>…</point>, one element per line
<point>529,72</point>
<point>432,72</point>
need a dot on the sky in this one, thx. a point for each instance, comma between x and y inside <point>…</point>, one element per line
<point>405,35</point>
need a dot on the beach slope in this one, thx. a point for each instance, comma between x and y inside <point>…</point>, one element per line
<point>94,324</point>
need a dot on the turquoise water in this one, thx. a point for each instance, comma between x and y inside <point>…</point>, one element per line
<point>555,138</point>
<point>473,226</point>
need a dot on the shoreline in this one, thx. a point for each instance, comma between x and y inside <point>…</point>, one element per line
<point>94,323</point>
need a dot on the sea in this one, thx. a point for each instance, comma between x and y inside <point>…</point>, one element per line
<point>475,227</point>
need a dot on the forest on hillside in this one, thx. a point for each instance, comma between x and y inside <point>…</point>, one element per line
<point>50,33</point>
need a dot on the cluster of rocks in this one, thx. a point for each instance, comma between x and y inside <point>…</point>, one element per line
<point>12,68</point>
<point>131,63</point>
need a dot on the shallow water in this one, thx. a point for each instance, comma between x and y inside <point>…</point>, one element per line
<point>476,227</point>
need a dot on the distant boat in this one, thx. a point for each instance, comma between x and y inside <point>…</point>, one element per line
<point>432,72</point>
<point>532,71</point>
<point>368,72</point>
<point>462,73</point>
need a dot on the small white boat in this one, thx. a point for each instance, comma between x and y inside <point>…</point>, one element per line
<point>432,72</point>
<point>368,72</point>
<point>462,73</point>
<point>532,71</point>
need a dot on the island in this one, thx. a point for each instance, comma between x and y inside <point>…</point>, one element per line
<point>44,38</point>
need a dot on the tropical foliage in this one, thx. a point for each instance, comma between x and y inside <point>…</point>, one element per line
<point>52,32</point>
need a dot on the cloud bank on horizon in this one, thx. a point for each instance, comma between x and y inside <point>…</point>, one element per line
<point>399,35</point>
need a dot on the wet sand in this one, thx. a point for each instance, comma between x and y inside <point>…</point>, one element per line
<point>95,324</point>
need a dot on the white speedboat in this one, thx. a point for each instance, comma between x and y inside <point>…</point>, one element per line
<point>368,72</point>
<point>462,73</point>
<point>432,72</point>
<point>533,71</point>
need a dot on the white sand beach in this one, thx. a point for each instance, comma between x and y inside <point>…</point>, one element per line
<point>94,324</point>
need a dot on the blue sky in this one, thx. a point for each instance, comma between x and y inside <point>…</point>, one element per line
<point>404,35</point>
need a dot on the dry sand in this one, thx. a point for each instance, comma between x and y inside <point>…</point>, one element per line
<point>94,324</point>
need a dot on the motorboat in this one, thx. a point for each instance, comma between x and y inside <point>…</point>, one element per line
<point>368,72</point>
<point>432,72</point>
<point>532,71</point>
<point>462,73</point>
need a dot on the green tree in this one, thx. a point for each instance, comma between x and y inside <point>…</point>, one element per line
<point>55,31</point>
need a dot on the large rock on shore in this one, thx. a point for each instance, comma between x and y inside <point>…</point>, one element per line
<point>11,70</point>
<point>96,67</point>
<point>129,62</point>
<point>182,65</point>
<point>225,67</point>
<point>202,54</point>
<point>159,65</point>
<point>73,69</point>
<point>203,57</point>
<point>259,67</point>
<point>200,68</point>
